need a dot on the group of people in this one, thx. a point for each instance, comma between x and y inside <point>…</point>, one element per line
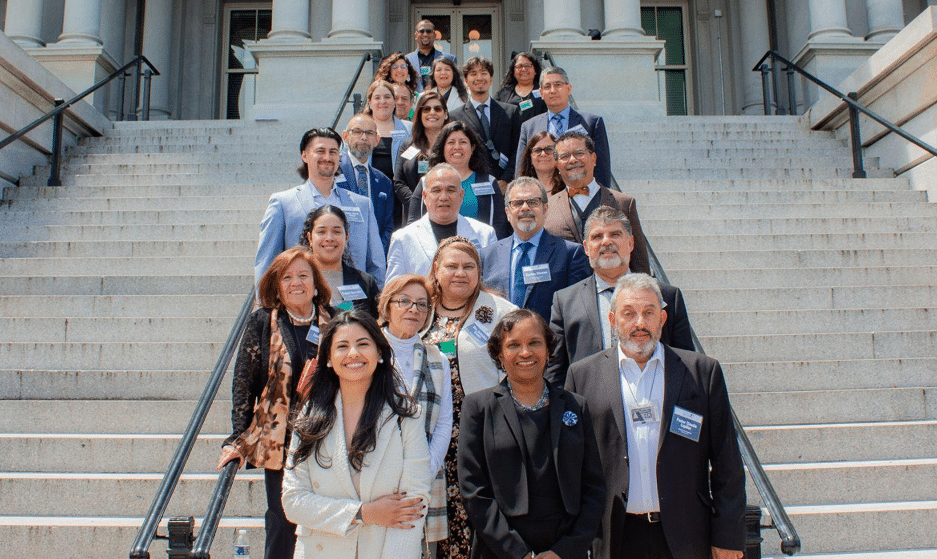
<point>469,359</point>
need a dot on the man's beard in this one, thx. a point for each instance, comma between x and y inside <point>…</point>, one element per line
<point>359,153</point>
<point>607,261</point>
<point>646,349</point>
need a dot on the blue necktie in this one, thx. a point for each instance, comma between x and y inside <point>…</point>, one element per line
<point>362,180</point>
<point>520,288</point>
<point>556,123</point>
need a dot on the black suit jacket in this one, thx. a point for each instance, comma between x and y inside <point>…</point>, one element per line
<point>577,326</point>
<point>699,508</point>
<point>505,125</point>
<point>406,177</point>
<point>493,476</point>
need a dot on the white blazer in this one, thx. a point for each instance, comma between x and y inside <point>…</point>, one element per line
<point>323,501</point>
<point>412,248</point>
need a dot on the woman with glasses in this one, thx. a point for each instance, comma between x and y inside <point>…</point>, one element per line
<point>538,162</point>
<point>397,69</point>
<point>431,115</point>
<point>446,80</point>
<point>520,86</point>
<point>404,310</point>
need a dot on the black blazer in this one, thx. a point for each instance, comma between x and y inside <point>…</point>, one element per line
<point>368,284</point>
<point>505,125</point>
<point>699,508</point>
<point>406,176</point>
<point>493,478</point>
<point>577,326</point>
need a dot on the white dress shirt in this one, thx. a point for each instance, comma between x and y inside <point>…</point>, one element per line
<point>642,388</point>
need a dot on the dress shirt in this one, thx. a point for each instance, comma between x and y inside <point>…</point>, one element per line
<point>367,172</point>
<point>647,387</point>
<point>564,113</point>
<point>442,431</point>
<point>516,252</point>
<point>333,199</point>
<point>583,200</point>
<point>476,104</point>
<point>603,293</point>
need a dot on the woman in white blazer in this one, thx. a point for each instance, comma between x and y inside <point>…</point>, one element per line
<point>357,478</point>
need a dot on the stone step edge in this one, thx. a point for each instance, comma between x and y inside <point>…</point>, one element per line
<point>847,425</point>
<point>118,521</point>
<point>896,554</point>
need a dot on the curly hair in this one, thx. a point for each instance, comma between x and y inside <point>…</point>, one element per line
<point>384,70</point>
<point>478,162</point>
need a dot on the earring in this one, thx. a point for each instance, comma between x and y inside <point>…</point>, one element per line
<point>328,364</point>
<point>381,360</point>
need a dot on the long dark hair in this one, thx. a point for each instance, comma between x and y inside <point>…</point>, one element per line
<point>457,82</point>
<point>527,163</point>
<point>419,132</point>
<point>318,414</point>
<point>478,162</point>
<point>383,70</point>
<point>510,80</point>
<point>310,224</point>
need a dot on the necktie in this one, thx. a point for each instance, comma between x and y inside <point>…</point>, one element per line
<point>482,116</point>
<point>520,288</point>
<point>362,180</point>
<point>609,338</point>
<point>556,125</point>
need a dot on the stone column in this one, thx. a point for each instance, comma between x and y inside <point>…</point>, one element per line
<point>753,16</point>
<point>886,19</point>
<point>81,22</point>
<point>828,20</point>
<point>561,18</point>
<point>24,22</point>
<point>289,21</point>
<point>157,47</point>
<point>622,19</point>
<point>350,20</point>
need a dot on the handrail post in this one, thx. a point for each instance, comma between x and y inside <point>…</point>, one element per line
<point>791,94</point>
<point>180,537</point>
<point>753,537</point>
<point>135,96</point>
<point>147,77</point>
<point>57,125</point>
<point>778,110</point>
<point>356,102</point>
<point>122,80</point>
<point>765,95</point>
<point>855,139</point>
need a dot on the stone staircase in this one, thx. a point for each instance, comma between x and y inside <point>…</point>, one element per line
<point>815,290</point>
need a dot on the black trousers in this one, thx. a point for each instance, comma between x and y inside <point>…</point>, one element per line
<point>640,539</point>
<point>280,532</point>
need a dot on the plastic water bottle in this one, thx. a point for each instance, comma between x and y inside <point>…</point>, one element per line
<point>242,544</point>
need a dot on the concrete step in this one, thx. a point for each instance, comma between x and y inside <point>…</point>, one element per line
<point>806,258</point>
<point>96,417</point>
<point>285,177</point>
<point>817,374</point>
<point>140,266</point>
<point>129,249</point>
<point>110,384</point>
<point>885,554</point>
<point>807,277</point>
<point>836,406</point>
<point>792,210</point>
<point>110,329</point>
<point>815,241</point>
<point>804,321</point>
<point>653,223</point>
<point>99,306</point>
<point>230,202</point>
<point>178,232</point>
<point>637,186</point>
<point>849,345</point>
<point>781,196</point>
<point>109,355</point>
<point>137,217</point>
<point>747,173</point>
<point>214,189</point>
<point>194,284</point>
<point>837,297</point>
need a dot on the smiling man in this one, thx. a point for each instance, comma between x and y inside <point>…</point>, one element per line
<point>413,247</point>
<point>426,52</point>
<point>531,265</point>
<point>286,211</point>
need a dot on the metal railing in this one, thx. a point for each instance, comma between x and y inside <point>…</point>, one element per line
<point>850,99</point>
<point>58,113</point>
<point>355,100</point>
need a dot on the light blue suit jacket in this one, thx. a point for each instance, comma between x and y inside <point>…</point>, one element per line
<point>283,224</point>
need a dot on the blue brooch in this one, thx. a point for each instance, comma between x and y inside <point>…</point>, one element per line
<point>570,418</point>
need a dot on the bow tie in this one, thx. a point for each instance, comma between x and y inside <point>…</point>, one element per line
<point>573,191</point>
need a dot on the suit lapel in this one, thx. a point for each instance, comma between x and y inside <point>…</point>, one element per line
<point>426,238</point>
<point>492,118</point>
<point>613,390</point>
<point>566,214</point>
<point>304,197</point>
<point>674,374</point>
<point>387,429</point>
<point>592,310</point>
<point>506,401</point>
<point>471,114</point>
<point>575,119</point>
<point>544,256</point>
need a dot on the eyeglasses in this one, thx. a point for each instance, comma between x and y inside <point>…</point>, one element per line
<point>359,132</point>
<point>553,85</point>
<point>405,304</point>
<point>533,203</point>
<point>432,109</point>
<point>578,154</point>
<point>421,31</point>
<point>524,66</point>
<point>399,66</point>
<point>541,151</point>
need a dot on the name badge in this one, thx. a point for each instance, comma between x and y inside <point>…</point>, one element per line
<point>578,128</point>
<point>313,335</point>
<point>340,178</point>
<point>353,213</point>
<point>686,424</point>
<point>352,292</point>
<point>410,153</point>
<point>642,415</point>
<point>478,333</point>
<point>422,167</point>
<point>536,94</point>
<point>483,189</point>
<point>503,161</point>
<point>526,104</point>
<point>424,70</point>
<point>447,347</point>
<point>536,274</point>
<point>401,133</point>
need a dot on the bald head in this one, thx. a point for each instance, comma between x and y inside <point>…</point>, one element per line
<point>361,136</point>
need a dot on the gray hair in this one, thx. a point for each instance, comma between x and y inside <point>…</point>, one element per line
<point>554,70</point>
<point>524,181</point>
<point>606,215</point>
<point>440,167</point>
<point>636,282</point>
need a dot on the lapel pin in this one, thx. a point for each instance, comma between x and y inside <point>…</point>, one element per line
<point>570,418</point>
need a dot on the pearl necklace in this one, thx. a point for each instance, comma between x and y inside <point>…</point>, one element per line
<point>544,399</point>
<point>297,320</point>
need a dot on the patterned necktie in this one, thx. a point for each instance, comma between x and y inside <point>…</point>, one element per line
<point>520,288</point>
<point>482,116</point>
<point>556,125</point>
<point>362,180</point>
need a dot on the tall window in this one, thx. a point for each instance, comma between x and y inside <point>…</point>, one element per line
<point>666,23</point>
<point>244,24</point>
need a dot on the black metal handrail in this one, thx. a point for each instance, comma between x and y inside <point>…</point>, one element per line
<point>356,100</point>
<point>61,106</point>
<point>154,516</point>
<point>850,99</point>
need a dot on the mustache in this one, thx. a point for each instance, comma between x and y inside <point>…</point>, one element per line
<point>640,330</point>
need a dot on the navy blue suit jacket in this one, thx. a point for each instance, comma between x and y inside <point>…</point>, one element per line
<point>568,265</point>
<point>594,126</point>
<point>382,196</point>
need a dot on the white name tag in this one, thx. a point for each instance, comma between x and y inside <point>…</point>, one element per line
<point>537,94</point>
<point>352,292</point>
<point>410,153</point>
<point>686,423</point>
<point>526,104</point>
<point>340,178</point>
<point>536,274</point>
<point>483,188</point>
<point>398,133</point>
<point>353,213</point>
<point>478,333</point>
<point>313,335</point>
<point>578,128</point>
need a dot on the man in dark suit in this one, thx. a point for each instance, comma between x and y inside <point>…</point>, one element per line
<point>570,208</point>
<point>422,58</point>
<point>578,317</point>
<point>663,422</point>
<point>497,124</point>
<point>361,137</point>
<point>555,90</point>
<point>531,265</point>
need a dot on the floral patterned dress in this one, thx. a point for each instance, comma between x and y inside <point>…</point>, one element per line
<point>459,543</point>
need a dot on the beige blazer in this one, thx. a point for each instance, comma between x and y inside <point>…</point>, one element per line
<point>323,501</point>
